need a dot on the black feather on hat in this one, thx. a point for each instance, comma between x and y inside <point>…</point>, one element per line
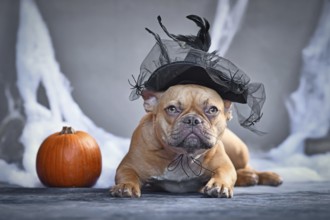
<point>185,60</point>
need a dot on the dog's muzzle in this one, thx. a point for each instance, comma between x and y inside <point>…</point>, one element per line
<point>190,133</point>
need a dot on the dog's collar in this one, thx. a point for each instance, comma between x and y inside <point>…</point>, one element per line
<point>183,161</point>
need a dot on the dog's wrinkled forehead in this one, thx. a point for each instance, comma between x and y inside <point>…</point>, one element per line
<point>190,95</point>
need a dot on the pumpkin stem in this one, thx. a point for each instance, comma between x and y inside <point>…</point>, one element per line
<point>67,130</point>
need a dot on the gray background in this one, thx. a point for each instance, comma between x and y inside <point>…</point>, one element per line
<point>99,44</point>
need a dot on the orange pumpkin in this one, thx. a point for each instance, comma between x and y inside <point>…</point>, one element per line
<point>69,159</point>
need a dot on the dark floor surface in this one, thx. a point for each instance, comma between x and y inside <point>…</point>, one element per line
<point>307,200</point>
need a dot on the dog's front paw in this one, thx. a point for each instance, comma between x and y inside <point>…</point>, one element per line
<point>217,189</point>
<point>125,190</point>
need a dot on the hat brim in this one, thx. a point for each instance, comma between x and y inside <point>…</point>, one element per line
<point>182,72</point>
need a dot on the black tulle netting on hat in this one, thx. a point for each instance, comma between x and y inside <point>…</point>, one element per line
<point>185,60</point>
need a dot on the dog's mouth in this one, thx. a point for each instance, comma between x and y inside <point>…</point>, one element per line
<point>191,141</point>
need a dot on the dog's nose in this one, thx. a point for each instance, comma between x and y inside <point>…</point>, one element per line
<point>192,120</point>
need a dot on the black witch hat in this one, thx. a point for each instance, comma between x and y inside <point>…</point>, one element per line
<point>185,60</point>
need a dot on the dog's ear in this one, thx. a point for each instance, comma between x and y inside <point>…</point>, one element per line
<point>150,99</point>
<point>228,112</point>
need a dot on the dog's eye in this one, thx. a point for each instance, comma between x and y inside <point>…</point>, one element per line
<point>172,110</point>
<point>212,110</point>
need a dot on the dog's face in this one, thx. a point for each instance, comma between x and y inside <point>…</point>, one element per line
<point>188,118</point>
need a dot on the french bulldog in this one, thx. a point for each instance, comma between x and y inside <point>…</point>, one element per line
<point>183,145</point>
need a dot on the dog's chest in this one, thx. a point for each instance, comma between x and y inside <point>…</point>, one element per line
<point>185,174</point>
